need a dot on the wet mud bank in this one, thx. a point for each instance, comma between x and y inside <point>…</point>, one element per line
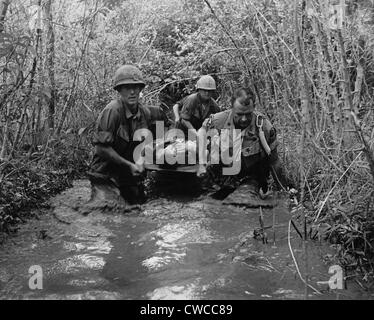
<point>173,247</point>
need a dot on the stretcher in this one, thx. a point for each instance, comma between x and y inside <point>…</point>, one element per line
<point>177,168</point>
<point>174,148</point>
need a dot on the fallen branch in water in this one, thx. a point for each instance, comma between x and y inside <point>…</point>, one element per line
<point>263,235</point>
<point>295,262</point>
<point>297,229</point>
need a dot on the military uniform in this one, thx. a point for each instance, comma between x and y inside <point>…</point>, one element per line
<point>116,126</point>
<point>157,114</point>
<point>255,162</point>
<point>196,111</point>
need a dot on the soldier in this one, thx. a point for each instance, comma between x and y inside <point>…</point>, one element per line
<point>113,160</point>
<point>259,143</point>
<point>198,106</point>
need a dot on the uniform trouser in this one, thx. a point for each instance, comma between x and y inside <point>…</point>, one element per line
<point>259,171</point>
<point>132,192</point>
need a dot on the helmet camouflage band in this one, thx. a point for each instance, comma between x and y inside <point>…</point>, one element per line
<point>206,83</point>
<point>128,74</point>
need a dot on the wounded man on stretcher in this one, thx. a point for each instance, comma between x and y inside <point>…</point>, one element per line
<point>175,155</point>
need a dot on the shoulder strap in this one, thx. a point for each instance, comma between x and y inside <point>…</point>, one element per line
<point>259,118</point>
<point>259,121</point>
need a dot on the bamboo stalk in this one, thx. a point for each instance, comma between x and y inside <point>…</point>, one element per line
<point>305,128</point>
<point>352,108</point>
<point>39,105</point>
<point>242,55</point>
<point>274,242</point>
<point>5,133</point>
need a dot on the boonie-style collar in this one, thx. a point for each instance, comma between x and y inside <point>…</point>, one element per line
<point>129,114</point>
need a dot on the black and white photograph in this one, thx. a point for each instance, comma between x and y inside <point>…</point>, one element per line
<point>186,155</point>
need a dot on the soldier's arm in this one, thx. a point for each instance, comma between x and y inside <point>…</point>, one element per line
<point>270,134</point>
<point>207,138</point>
<point>104,138</point>
<point>188,124</point>
<point>201,133</point>
<point>202,146</point>
<point>109,154</point>
<point>186,114</point>
<point>276,166</point>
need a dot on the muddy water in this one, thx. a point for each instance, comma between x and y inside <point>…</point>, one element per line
<point>173,247</point>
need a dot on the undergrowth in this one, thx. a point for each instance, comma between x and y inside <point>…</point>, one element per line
<point>28,181</point>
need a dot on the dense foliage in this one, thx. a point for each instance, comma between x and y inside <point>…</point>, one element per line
<point>313,79</point>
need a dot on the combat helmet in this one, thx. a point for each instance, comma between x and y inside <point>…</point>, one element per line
<point>206,83</point>
<point>128,74</point>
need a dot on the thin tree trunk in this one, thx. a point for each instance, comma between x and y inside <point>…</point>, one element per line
<point>348,98</point>
<point>352,109</point>
<point>358,86</point>
<point>304,97</point>
<point>5,133</point>
<point>305,103</point>
<point>40,69</point>
<point>35,117</point>
<point>3,10</point>
<point>27,99</point>
<point>50,63</point>
<point>70,98</point>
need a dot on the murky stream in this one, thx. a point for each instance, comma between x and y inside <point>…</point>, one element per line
<point>170,248</point>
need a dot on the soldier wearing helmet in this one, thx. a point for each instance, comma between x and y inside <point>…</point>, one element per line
<point>198,106</point>
<point>113,158</point>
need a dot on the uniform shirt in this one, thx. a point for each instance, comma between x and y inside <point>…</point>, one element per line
<point>255,164</point>
<point>224,120</point>
<point>252,151</point>
<point>157,114</point>
<point>196,112</point>
<point>180,103</point>
<point>115,128</point>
